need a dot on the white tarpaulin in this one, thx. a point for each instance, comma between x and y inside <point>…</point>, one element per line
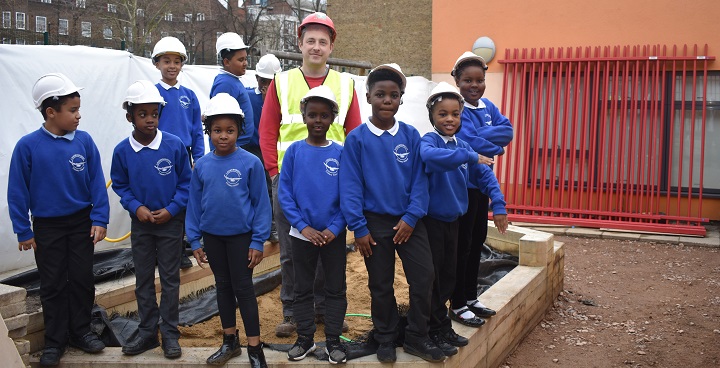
<point>106,74</point>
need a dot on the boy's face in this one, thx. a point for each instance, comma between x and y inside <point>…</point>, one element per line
<point>145,119</point>
<point>169,66</point>
<point>263,84</point>
<point>471,83</point>
<point>315,45</point>
<point>224,135</point>
<point>237,63</point>
<point>446,115</point>
<point>318,117</point>
<point>384,97</point>
<point>66,119</point>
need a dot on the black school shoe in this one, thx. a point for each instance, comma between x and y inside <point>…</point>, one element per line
<point>425,349</point>
<point>454,339</point>
<point>88,343</point>
<point>303,346</point>
<point>386,352</point>
<point>482,311</point>
<point>185,262</point>
<point>447,348</point>
<point>51,357</point>
<point>472,322</point>
<point>140,345</point>
<point>171,348</point>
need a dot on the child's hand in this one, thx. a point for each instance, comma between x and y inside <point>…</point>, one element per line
<point>254,256</point>
<point>501,223</point>
<point>161,216</point>
<point>363,245</point>
<point>485,160</point>
<point>403,232</point>
<point>144,215</point>
<point>329,236</point>
<point>27,244</point>
<point>97,233</point>
<point>200,257</point>
<point>314,236</point>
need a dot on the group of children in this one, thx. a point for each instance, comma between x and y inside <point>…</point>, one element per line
<point>419,197</point>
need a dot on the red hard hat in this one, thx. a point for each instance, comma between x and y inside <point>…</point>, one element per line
<point>318,18</point>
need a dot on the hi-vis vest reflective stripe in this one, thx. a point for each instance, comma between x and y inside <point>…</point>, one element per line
<point>292,128</point>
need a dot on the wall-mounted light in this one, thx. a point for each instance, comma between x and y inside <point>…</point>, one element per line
<point>484,47</point>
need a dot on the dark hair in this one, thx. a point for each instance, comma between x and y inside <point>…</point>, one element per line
<point>131,110</point>
<point>303,106</point>
<point>228,54</point>
<point>55,102</point>
<point>239,121</point>
<point>329,30</point>
<point>431,105</point>
<point>383,75</point>
<point>461,68</point>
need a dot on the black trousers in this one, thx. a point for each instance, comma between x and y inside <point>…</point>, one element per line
<point>151,243</point>
<point>305,257</point>
<point>64,258</point>
<point>443,238</point>
<point>228,257</point>
<point>417,264</point>
<point>473,232</point>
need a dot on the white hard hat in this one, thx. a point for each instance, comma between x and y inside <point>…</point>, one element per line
<point>222,104</point>
<point>169,45</point>
<point>441,89</point>
<point>229,41</point>
<point>52,85</point>
<point>321,91</point>
<point>267,66</point>
<point>467,56</point>
<point>393,68</point>
<point>142,92</point>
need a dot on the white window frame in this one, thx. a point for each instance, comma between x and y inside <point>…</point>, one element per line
<point>46,1</point>
<point>107,33</point>
<point>6,41</point>
<point>86,29</point>
<point>63,26</point>
<point>168,17</point>
<point>20,41</point>
<point>40,24</point>
<point>20,20</point>
<point>6,19</point>
<point>200,17</point>
<point>188,17</point>
<point>140,12</point>
<point>80,4</point>
<point>112,8</point>
<point>128,33</point>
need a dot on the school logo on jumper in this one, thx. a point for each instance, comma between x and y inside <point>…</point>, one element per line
<point>332,166</point>
<point>401,153</point>
<point>77,162</point>
<point>489,119</point>
<point>232,177</point>
<point>185,102</point>
<point>164,166</point>
<point>464,166</point>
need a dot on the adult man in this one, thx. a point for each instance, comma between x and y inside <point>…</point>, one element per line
<point>281,124</point>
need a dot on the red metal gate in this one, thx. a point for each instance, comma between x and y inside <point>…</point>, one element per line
<point>606,137</point>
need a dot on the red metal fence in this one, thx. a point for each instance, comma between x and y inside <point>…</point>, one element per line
<point>606,137</point>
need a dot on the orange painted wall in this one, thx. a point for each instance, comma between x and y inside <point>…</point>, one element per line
<point>562,23</point>
<point>456,24</point>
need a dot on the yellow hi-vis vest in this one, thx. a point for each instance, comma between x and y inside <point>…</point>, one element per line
<point>291,88</point>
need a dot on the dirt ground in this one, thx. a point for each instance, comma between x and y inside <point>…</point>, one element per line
<point>630,304</point>
<point>624,304</point>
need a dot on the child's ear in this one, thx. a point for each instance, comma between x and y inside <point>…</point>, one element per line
<point>225,62</point>
<point>367,96</point>
<point>50,112</point>
<point>128,117</point>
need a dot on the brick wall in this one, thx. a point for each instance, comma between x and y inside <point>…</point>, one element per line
<point>385,31</point>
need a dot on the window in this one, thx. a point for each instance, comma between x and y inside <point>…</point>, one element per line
<point>20,20</point>
<point>86,29</point>
<point>46,1</point>
<point>6,40</point>
<point>168,17</point>
<point>188,17</point>
<point>148,37</point>
<point>63,27</point>
<point>164,34</point>
<point>200,17</point>
<point>112,8</point>
<point>128,33</point>
<point>107,33</point>
<point>80,4</point>
<point>20,41</point>
<point>40,24</point>
<point>140,12</point>
<point>7,19</point>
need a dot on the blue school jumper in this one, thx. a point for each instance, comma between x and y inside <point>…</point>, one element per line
<point>228,196</point>
<point>256,101</point>
<point>181,117</point>
<point>225,82</point>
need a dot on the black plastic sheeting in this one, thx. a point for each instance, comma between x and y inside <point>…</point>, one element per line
<point>118,330</point>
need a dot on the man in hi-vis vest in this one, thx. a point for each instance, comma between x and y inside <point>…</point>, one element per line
<point>281,124</point>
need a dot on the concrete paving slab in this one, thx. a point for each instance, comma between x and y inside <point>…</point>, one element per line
<point>620,236</point>
<point>11,294</point>
<point>584,232</point>
<point>703,242</point>
<point>555,230</point>
<point>669,239</point>
<point>12,310</point>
